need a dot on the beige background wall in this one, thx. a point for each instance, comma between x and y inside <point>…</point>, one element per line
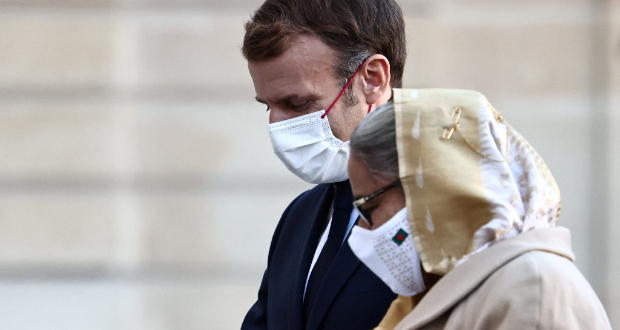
<point>138,189</point>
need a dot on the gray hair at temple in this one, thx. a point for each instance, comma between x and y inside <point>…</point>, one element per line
<point>373,142</point>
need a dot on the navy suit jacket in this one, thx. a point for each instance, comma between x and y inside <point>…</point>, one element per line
<point>352,297</point>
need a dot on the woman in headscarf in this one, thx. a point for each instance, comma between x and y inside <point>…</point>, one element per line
<point>459,216</point>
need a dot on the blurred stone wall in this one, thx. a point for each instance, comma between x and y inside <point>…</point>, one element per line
<point>138,189</point>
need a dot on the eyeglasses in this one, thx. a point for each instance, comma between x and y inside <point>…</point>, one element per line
<point>365,214</point>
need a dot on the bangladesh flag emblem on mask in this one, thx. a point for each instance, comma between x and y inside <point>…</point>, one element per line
<point>400,237</point>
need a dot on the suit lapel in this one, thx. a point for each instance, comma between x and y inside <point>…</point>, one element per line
<point>335,280</point>
<point>315,225</point>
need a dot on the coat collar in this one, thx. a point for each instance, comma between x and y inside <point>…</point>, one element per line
<point>459,282</point>
<point>336,277</point>
<point>347,264</point>
<point>314,228</point>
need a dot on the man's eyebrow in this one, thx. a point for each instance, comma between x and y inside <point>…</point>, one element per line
<point>288,99</point>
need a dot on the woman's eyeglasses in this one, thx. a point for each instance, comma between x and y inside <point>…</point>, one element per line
<point>365,213</point>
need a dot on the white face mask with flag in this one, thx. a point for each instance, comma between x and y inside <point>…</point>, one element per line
<point>309,149</point>
<point>390,253</point>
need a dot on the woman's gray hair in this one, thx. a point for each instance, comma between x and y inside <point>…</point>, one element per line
<point>373,142</point>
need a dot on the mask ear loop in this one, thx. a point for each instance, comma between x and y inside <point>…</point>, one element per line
<point>342,92</point>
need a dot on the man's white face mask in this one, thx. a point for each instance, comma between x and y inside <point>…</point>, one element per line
<point>390,253</point>
<point>309,149</point>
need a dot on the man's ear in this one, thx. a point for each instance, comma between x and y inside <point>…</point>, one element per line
<point>376,82</point>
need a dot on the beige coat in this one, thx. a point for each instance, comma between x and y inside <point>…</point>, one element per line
<point>526,282</point>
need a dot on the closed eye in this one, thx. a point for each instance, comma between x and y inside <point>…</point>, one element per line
<point>368,212</point>
<point>302,106</point>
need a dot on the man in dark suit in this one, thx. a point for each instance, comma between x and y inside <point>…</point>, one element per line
<point>320,66</point>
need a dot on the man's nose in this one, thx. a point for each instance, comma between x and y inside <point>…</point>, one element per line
<point>276,115</point>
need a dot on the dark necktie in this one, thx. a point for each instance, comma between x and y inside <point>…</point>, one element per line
<point>337,231</point>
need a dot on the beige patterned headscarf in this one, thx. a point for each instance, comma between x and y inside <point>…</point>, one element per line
<point>470,179</point>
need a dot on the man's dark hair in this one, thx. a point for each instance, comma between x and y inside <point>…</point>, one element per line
<point>356,29</point>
